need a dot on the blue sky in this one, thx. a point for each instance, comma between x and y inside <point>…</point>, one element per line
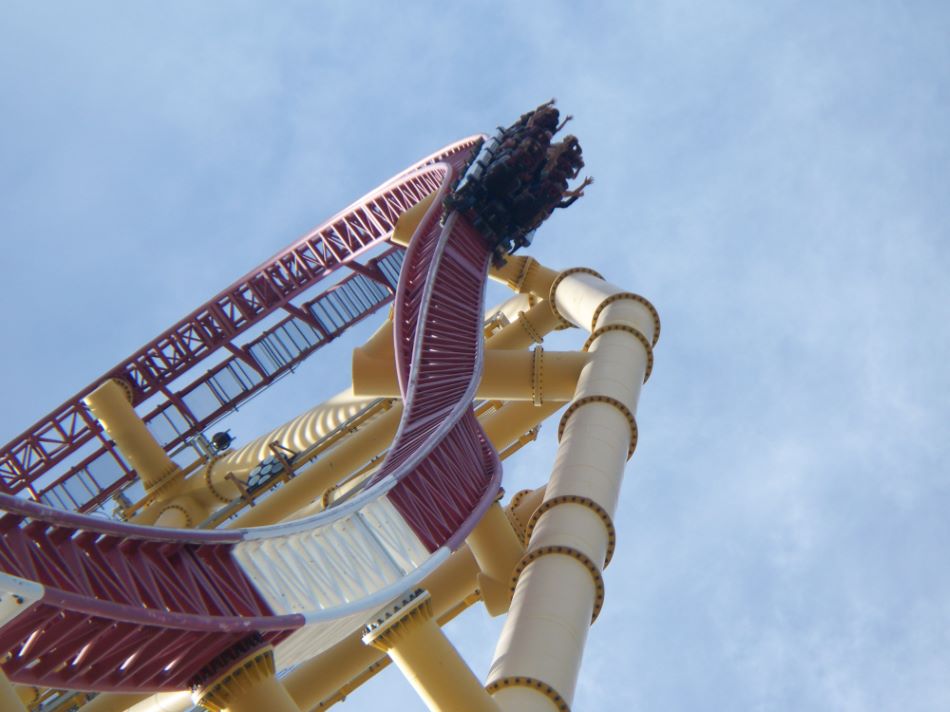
<point>773,176</point>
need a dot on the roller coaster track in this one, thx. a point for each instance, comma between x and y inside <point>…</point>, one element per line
<point>66,460</point>
<point>89,604</point>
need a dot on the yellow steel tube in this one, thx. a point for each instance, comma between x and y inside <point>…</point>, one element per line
<point>182,512</point>
<point>249,685</point>
<point>560,586</point>
<point>380,344</point>
<point>507,375</point>
<point>297,434</point>
<point>350,454</point>
<point>111,405</point>
<point>419,648</point>
<point>505,425</point>
<point>407,223</point>
<point>495,545</point>
<point>265,694</point>
<point>9,700</point>
<point>524,274</point>
<point>529,328</point>
<point>510,308</point>
<point>27,694</point>
<point>163,702</point>
<point>497,549</point>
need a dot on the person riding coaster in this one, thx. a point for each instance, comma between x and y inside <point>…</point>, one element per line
<point>519,180</point>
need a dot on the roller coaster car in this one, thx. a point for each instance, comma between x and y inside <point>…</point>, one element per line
<point>518,179</point>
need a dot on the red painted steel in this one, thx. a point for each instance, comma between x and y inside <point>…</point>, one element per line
<point>449,472</point>
<point>27,461</point>
<point>459,478</point>
<point>125,607</point>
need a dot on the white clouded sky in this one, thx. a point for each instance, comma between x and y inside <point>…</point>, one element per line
<point>773,176</point>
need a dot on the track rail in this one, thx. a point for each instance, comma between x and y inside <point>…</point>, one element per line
<point>94,605</point>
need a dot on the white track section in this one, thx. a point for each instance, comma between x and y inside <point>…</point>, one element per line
<point>338,574</point>
<point>331,570</point>
<point>16,595</point>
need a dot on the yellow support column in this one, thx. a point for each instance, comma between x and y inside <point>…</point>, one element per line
<point>416,644</point>
<point>497,548</point>
<point>185,512</point>
<point>9,700</point>
<point>529,328</point>
<point>163,702</point>
<point>111,404</point>
<point>559,586</point>
<point>159,702</point>
<point>317,679</point>
<point>508,374</point>
<point>524,275</point>
<point>27,694</point>
<point>349,455</point>
<point>248,685</point>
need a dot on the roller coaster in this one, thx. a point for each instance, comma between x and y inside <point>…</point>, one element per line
<point>283,574</point>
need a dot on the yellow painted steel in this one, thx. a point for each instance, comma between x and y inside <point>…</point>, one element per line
<point>297,435</point>
<point>350,454</point>
<point>416,644</point>
<point>111,404</point>
<point>9,699</point>
<point>184,512</point>
<point>506,424</point>
<point>114,702</point>
<point>372,670</point>
<point>507,311</point>
<point>507,375</point>
<point>497,549</point>
<point>265,694</point>
<point>380,345</point>
<point>524,274</point>
<point>163,702</point>
<point>529,328</point>
<point>249,685</point>
<point>407,223</point>
<point>559,586</point>
<point>27,694</point>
